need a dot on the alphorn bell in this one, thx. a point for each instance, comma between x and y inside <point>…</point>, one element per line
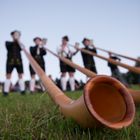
<point>133,69</point>
<point>105,101</point>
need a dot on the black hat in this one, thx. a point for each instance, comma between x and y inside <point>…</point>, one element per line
<point>85,39</point>
<point>66,38</point>
<point>37,38</point>
<point>12,33</point>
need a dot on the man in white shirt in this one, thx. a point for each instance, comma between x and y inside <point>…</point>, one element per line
<point>64,51</point>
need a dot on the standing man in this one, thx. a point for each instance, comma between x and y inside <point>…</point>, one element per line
<point>115,70</point>
<point>14,60</point>
<point>64,51</point>
<point>88,59</point>
<point>38,52</point>
<point>138,65</point>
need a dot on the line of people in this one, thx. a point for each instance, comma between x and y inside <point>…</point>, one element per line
<point>14,61</point>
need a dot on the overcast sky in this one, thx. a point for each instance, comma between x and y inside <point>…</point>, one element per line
<point>113,24</point>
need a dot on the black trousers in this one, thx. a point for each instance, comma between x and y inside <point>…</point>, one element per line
<point>66,68</point>
<point>32,72</point>
<point>91,68</point>
<point>11,66</point>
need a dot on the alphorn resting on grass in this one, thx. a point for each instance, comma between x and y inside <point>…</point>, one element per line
<point>105,101</point>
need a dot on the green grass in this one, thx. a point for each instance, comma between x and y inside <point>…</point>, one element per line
<point>37,117</point>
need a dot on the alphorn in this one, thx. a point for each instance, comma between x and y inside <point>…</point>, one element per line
<point>117,54</point>
<point>105,100</point>
<point>133,69</point>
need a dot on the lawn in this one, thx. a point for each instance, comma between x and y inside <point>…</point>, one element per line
<point>37,117</point>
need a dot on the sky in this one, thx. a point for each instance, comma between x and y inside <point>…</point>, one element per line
<point>112,24</point>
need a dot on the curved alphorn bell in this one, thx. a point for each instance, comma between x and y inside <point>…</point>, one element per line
<point>105,100</point>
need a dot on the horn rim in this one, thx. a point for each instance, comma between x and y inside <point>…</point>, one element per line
<point>130,106</point>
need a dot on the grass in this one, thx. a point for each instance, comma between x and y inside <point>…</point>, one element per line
<point>36,117</point>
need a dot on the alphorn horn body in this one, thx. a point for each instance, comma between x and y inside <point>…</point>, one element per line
<point>117,54</point>
<point>135,95</point>
<point>133,69</point>
<point>105,101</point>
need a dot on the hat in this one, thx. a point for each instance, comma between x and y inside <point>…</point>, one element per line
<point>37,38</point>
<point>12,33</point>
<point>85,39</point>
<point>66,38</point>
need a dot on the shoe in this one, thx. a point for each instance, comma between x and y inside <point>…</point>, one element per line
<point>32,92</point>
<point>23,92</point>
<point>5,94</point>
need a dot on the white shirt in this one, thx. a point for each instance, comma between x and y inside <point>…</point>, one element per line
<point>64,51</point>
<point>38,49</point>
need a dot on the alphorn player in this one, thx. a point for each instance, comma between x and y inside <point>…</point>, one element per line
<point>38,52</point>
<point>115,70</point>
<point>138,65</point>
<point>88,60</point>
<point>14,61</point>
<point>64,51</point>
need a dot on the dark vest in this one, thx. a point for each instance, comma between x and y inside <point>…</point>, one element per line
<point>38,57</point>
<point>13,52</point>
<point>87,58</point>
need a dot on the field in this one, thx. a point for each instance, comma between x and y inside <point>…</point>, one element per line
<point>36,117</point>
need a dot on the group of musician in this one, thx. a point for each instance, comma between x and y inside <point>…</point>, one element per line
<point>38,51</point>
